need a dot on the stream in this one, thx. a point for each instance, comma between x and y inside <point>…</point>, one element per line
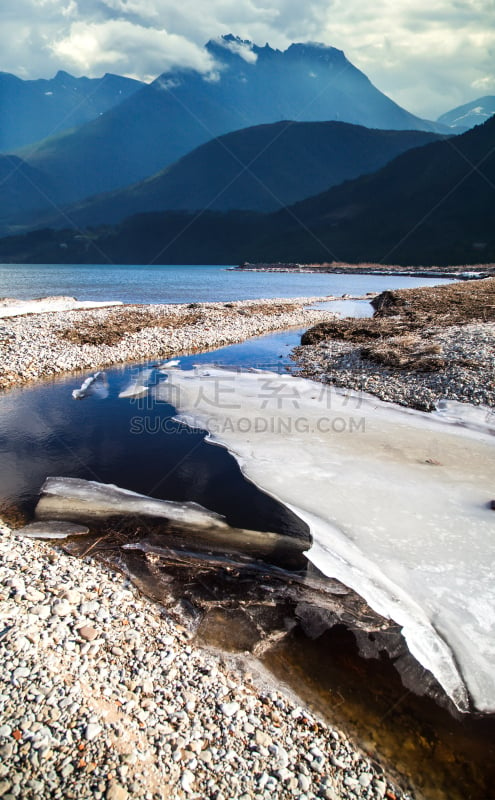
<point>315,635</point>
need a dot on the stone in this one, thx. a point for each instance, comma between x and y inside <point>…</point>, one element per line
<point>187,781</point>
<point>229,709</point>
<point>92,731</point>
<point>380,787</point>
<point>71,595</point>
<point>262,738</point>
<point>87,633</point>
<point>61,608</point>
<point>304,782</point>
<point>116,792</point>
<point>365,779</point>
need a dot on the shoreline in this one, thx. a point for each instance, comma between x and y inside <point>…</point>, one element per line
<point>45,345</point>
<point>465,272</point>
<point>422,346</point>
<point>106,697</point>
<point>122,716</point>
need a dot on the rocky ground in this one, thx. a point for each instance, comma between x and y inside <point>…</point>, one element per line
<point>103,696</point>
<point>423,345</point>
<point>36,346</point>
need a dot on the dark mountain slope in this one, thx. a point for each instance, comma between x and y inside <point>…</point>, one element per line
<point>261,169</point>
<point>431,205</point>
<point>22,187</point>
<point>34,109</point>
<point>434,204</point>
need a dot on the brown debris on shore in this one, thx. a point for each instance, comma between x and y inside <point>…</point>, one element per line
<point>41,345</point>
<point>422,345</point>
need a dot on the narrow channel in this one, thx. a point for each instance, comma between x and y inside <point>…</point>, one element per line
<point>137,445</point>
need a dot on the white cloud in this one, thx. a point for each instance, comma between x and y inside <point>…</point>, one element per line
<point>242,49</point>
<point>428,55</point>
<point>124,47</point>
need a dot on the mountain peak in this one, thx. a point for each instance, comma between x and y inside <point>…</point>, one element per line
<point>62,75</point>
<point>230,48</point>
<point>321,51</point>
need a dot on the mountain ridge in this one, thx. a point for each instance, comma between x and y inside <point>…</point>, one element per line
<point>180,110</point>
<point>432,205</point>
<point>252,169</point>
<point>31,110</point>
<point>469,114</point>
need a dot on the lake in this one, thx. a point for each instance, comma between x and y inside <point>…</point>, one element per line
<point>184,284</point>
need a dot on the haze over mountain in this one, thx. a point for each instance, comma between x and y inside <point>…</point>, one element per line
<point>470,114</point>
<point>430,205</point>
<point>32,110</point>
<point>180,110</point>
<point>23,187</point>
<point>261,169</point>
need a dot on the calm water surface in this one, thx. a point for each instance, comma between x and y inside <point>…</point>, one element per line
<point>183,284</point>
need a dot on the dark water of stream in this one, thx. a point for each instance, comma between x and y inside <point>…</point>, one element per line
<point>137,445</point>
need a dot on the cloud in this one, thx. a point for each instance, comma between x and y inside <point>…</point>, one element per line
<point>428,55</point>
<point>242,49</point>
<point>118,45</point>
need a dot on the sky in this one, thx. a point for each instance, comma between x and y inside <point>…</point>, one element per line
<point>427,55</point>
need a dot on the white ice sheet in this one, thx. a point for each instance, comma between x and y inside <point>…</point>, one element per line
<point>397,502</point>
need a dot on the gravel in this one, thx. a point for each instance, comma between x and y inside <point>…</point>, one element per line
<point>35,346</point>
<point>467,373</point>
<point>110,699</point>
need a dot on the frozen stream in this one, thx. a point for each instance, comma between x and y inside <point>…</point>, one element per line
<point>398,503</point>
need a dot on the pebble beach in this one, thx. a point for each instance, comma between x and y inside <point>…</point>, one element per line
<point>468,375</point>
<point>42,345</point>
<point>102,694</point>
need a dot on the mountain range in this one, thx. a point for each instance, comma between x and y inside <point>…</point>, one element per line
<point>431,205</point>
<point>250,86</point>
<point>31,110</point>
<point>263,168</point>
<point>272,155</point>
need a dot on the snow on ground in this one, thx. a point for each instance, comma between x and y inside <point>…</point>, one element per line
<point>398,502</point>
<point>10,307</point>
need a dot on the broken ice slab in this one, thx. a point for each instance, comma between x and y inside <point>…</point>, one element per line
<point>95,385</point>
<point>190,525</point>
<point>139,386</point>
<point>77,499</point>
<point>52,529</point>
<point>241,545</point>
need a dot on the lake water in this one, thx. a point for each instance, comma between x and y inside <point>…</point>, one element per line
<point>184,284</point>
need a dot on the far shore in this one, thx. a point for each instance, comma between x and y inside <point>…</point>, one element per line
<point>461,272</point>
